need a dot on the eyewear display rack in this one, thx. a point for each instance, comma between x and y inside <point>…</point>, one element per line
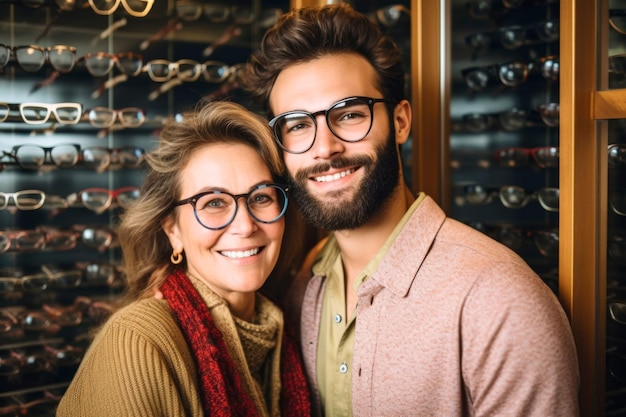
<point>84,91</point>
<point>589,88</point>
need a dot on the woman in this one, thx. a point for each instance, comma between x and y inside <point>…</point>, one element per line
<point>207,232</point>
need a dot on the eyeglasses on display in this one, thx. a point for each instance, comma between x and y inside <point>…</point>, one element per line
<point>509,120</point>
<point>103,117</point>
<point>189,10</point>
<point>550,113</point>
<point>100,200</point>
<point>135,8</point>
<point>511,196</point>
<point>65,5</point>
<point>49,277</point>
<point>33,157</point>
<point>100,158</point>
<point>99,64</point>
<point>545,240</point>
<point>488,9</point>
<point>617,154</point>
<point>97,237</point>
<point>349,119</point>
<point>617,248</point>
<point>509,74</point>
<point>95,311</point>
<point>544,156</point>
<point>33,406</point>
<point>617,20</point>
<point>21,240</point>
<point>23,200</point>
<point>39,113</point>
<point>29,321</point>
<point>102,274</point>
<point>212,72</point>
<point>513,37</point>
<point>31,58</point>
<point>215,210</point>
<point>617,201</point>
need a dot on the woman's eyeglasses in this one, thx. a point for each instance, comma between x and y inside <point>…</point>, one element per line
<point>215,210</point>
<point>31,58</point>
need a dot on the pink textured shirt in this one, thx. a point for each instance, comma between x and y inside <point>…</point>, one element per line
<point>452,323</point>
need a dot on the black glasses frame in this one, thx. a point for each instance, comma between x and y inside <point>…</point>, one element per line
<point>194,199</point>
<point>313,116</point>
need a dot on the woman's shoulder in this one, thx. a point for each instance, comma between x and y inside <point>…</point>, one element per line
<point>150,317</point>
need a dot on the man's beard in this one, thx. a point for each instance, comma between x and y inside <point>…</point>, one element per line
<point>338,213</point>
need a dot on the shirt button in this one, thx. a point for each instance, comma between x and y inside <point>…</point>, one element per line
<point>343,368</point>
<point>337,318</point>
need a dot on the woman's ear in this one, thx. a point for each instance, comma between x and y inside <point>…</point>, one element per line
<point>170,227</point>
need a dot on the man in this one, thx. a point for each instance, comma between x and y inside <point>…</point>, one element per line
<point>406,312</point>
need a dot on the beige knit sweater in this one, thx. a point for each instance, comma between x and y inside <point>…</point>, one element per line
<point>139,364</point>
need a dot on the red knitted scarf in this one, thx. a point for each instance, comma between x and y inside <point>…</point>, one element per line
<point>223,393</point>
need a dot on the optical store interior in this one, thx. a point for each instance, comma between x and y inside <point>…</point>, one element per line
<point>85,87</point>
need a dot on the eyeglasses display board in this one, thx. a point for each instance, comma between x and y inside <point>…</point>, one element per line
<point>504,149</point>
<point>84,89</point>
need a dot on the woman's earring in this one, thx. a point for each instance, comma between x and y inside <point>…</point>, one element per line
<point>176,257</point>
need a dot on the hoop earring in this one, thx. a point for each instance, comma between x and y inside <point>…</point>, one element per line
<point>176,257</point>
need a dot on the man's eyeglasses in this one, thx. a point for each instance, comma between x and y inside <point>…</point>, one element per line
<point>349,119</point>
<point>34,157</point>
<point>135,8</point>
<point>23,200</point>
<point>215,210</point>
<point>31,58</point>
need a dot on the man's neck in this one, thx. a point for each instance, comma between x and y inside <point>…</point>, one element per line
<point>359,246</point>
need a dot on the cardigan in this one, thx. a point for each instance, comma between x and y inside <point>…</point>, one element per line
<point>452,323</point>
<point>139,364</point>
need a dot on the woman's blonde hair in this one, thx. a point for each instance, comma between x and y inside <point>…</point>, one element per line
<point>145,246</point>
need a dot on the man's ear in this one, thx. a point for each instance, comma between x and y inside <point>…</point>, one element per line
<point>402,116</point>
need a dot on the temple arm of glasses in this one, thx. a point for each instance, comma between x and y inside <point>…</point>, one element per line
<point>173,25</point>
<point>164,88</point>
<point>109,30</point>
<point>46,82</point>
<point>110,83</point>
<point>230,33</point>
